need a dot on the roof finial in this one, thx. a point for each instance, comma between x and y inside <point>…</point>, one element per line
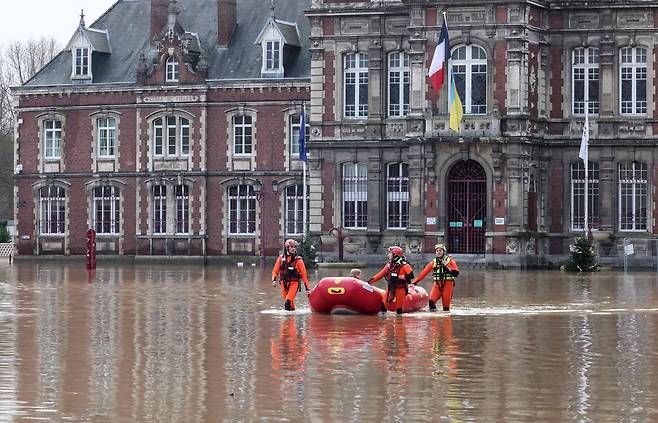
<point>82,18</point>
<point>272,8</point>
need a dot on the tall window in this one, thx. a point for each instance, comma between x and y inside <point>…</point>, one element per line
<point>356,85</point>
<point>242,135</point>
<point>469,66</point>
<point>172,69</point>
<point>585,80</point>
<point>633,84</point>
<point>399,83</point>
<point>171,136</point>
<point>107,130</point>
<point>397,195</point>
<point>106,209</point>
<point>52,202</point>
<point>294,210</point>
<point>272,55</point>
<point>295,124</point>
<point>81,61</point>
<point>355,196</point>
<point>578,195</point>
<point>52,139</point>
<point>242,210</point>
<point>633,196</point>
<point>159,209</point>
<point>182,209</point>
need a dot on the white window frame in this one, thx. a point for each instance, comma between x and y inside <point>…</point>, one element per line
<point>633,189</point>
<point>294,210</point>
<point>295,125</point>
<point>159,196</point>
<point>397,195</point>
<point>399,84</point>
<point>172,69</point>
<point>107,133</point>
<point>355,72</point>
<point>355,196</point>
<point>81,62</point>
<point>241,210</point>
<point>586,70</point>
<point>53,204</point>
<point>107,209</point>
<point>243,135</point>
<point>272,55</point>
<point>464,65</point>
<point>182,209</point>
<point>577,193</point>
<point>633,67</point>
<point>171,136</point>
<point>52,139</point>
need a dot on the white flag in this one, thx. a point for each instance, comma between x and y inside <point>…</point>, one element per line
<point>584,143</point>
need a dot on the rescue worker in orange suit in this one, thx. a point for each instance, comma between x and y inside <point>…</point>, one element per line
<point>290,269</point>
<point>444,271</point>
<point>399,273</point>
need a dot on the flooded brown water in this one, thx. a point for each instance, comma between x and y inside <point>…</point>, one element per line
<point>193,344</point>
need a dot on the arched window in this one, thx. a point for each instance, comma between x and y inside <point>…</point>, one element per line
<point>399,83</point>
<point>397,195</point>
<point>578,195</point>
<point>107,207</point>
<point>469,67</point>
<point>355,196</point>
<point>160,209</point>
<point>294,223</point>
<point>633,190</point>
<point>182,209</point>
<point>241,210</point>
<point>633,81</point>
<point>52,209</point>
<point>171,136</point>
<point>356,85</point>
<point>585,77</point>
<point>172,69</point>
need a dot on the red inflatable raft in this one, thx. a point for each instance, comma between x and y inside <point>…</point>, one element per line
<point>347,295</point>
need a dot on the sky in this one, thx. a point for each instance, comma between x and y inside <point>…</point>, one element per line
<point>32,19</point>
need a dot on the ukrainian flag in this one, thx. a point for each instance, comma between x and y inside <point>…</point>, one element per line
<point>455,103</point>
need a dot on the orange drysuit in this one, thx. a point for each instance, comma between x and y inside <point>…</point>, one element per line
<point>290,269</point>
<point>398,273</point>
<point>445,271</point>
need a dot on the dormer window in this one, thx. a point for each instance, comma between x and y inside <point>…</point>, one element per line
<point>172,69</point>
<point>272,55</point>
<point>81,61</point>
<point>278,40</point>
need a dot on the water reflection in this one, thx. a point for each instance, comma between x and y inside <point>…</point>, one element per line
<point>189,343</point>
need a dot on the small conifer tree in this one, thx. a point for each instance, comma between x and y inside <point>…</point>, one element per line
<point>583,257</point>
<point>309,253</point>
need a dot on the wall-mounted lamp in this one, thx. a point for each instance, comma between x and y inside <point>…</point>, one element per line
<point>275,185</point>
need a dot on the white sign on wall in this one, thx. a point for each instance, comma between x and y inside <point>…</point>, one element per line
<point>499,221</point>
<point>430,221</point>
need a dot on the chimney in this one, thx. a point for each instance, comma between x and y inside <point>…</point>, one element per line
<point>227,20</point>
<point>159,14</point>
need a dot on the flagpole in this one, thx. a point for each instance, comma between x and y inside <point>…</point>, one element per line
<point>304,188</point>
<point>586,160</point>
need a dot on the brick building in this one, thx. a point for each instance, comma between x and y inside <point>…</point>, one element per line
<point>509,187</point>
<point>170,127</point>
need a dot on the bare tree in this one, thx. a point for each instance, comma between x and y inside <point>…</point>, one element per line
<point>18,63</point>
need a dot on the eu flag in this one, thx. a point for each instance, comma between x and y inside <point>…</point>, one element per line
<point>302,138</point>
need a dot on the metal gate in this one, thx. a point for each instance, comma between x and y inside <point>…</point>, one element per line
<point>467,210</point>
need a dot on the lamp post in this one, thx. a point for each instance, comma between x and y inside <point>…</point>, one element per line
<point>259,196</point>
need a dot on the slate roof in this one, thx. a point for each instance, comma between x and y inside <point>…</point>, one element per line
<point>128,25</point>
<point>97,38</point>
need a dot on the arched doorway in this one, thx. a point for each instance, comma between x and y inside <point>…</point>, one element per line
<point>466,208</point>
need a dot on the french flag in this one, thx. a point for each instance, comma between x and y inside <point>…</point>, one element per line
<point>438,67</point>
